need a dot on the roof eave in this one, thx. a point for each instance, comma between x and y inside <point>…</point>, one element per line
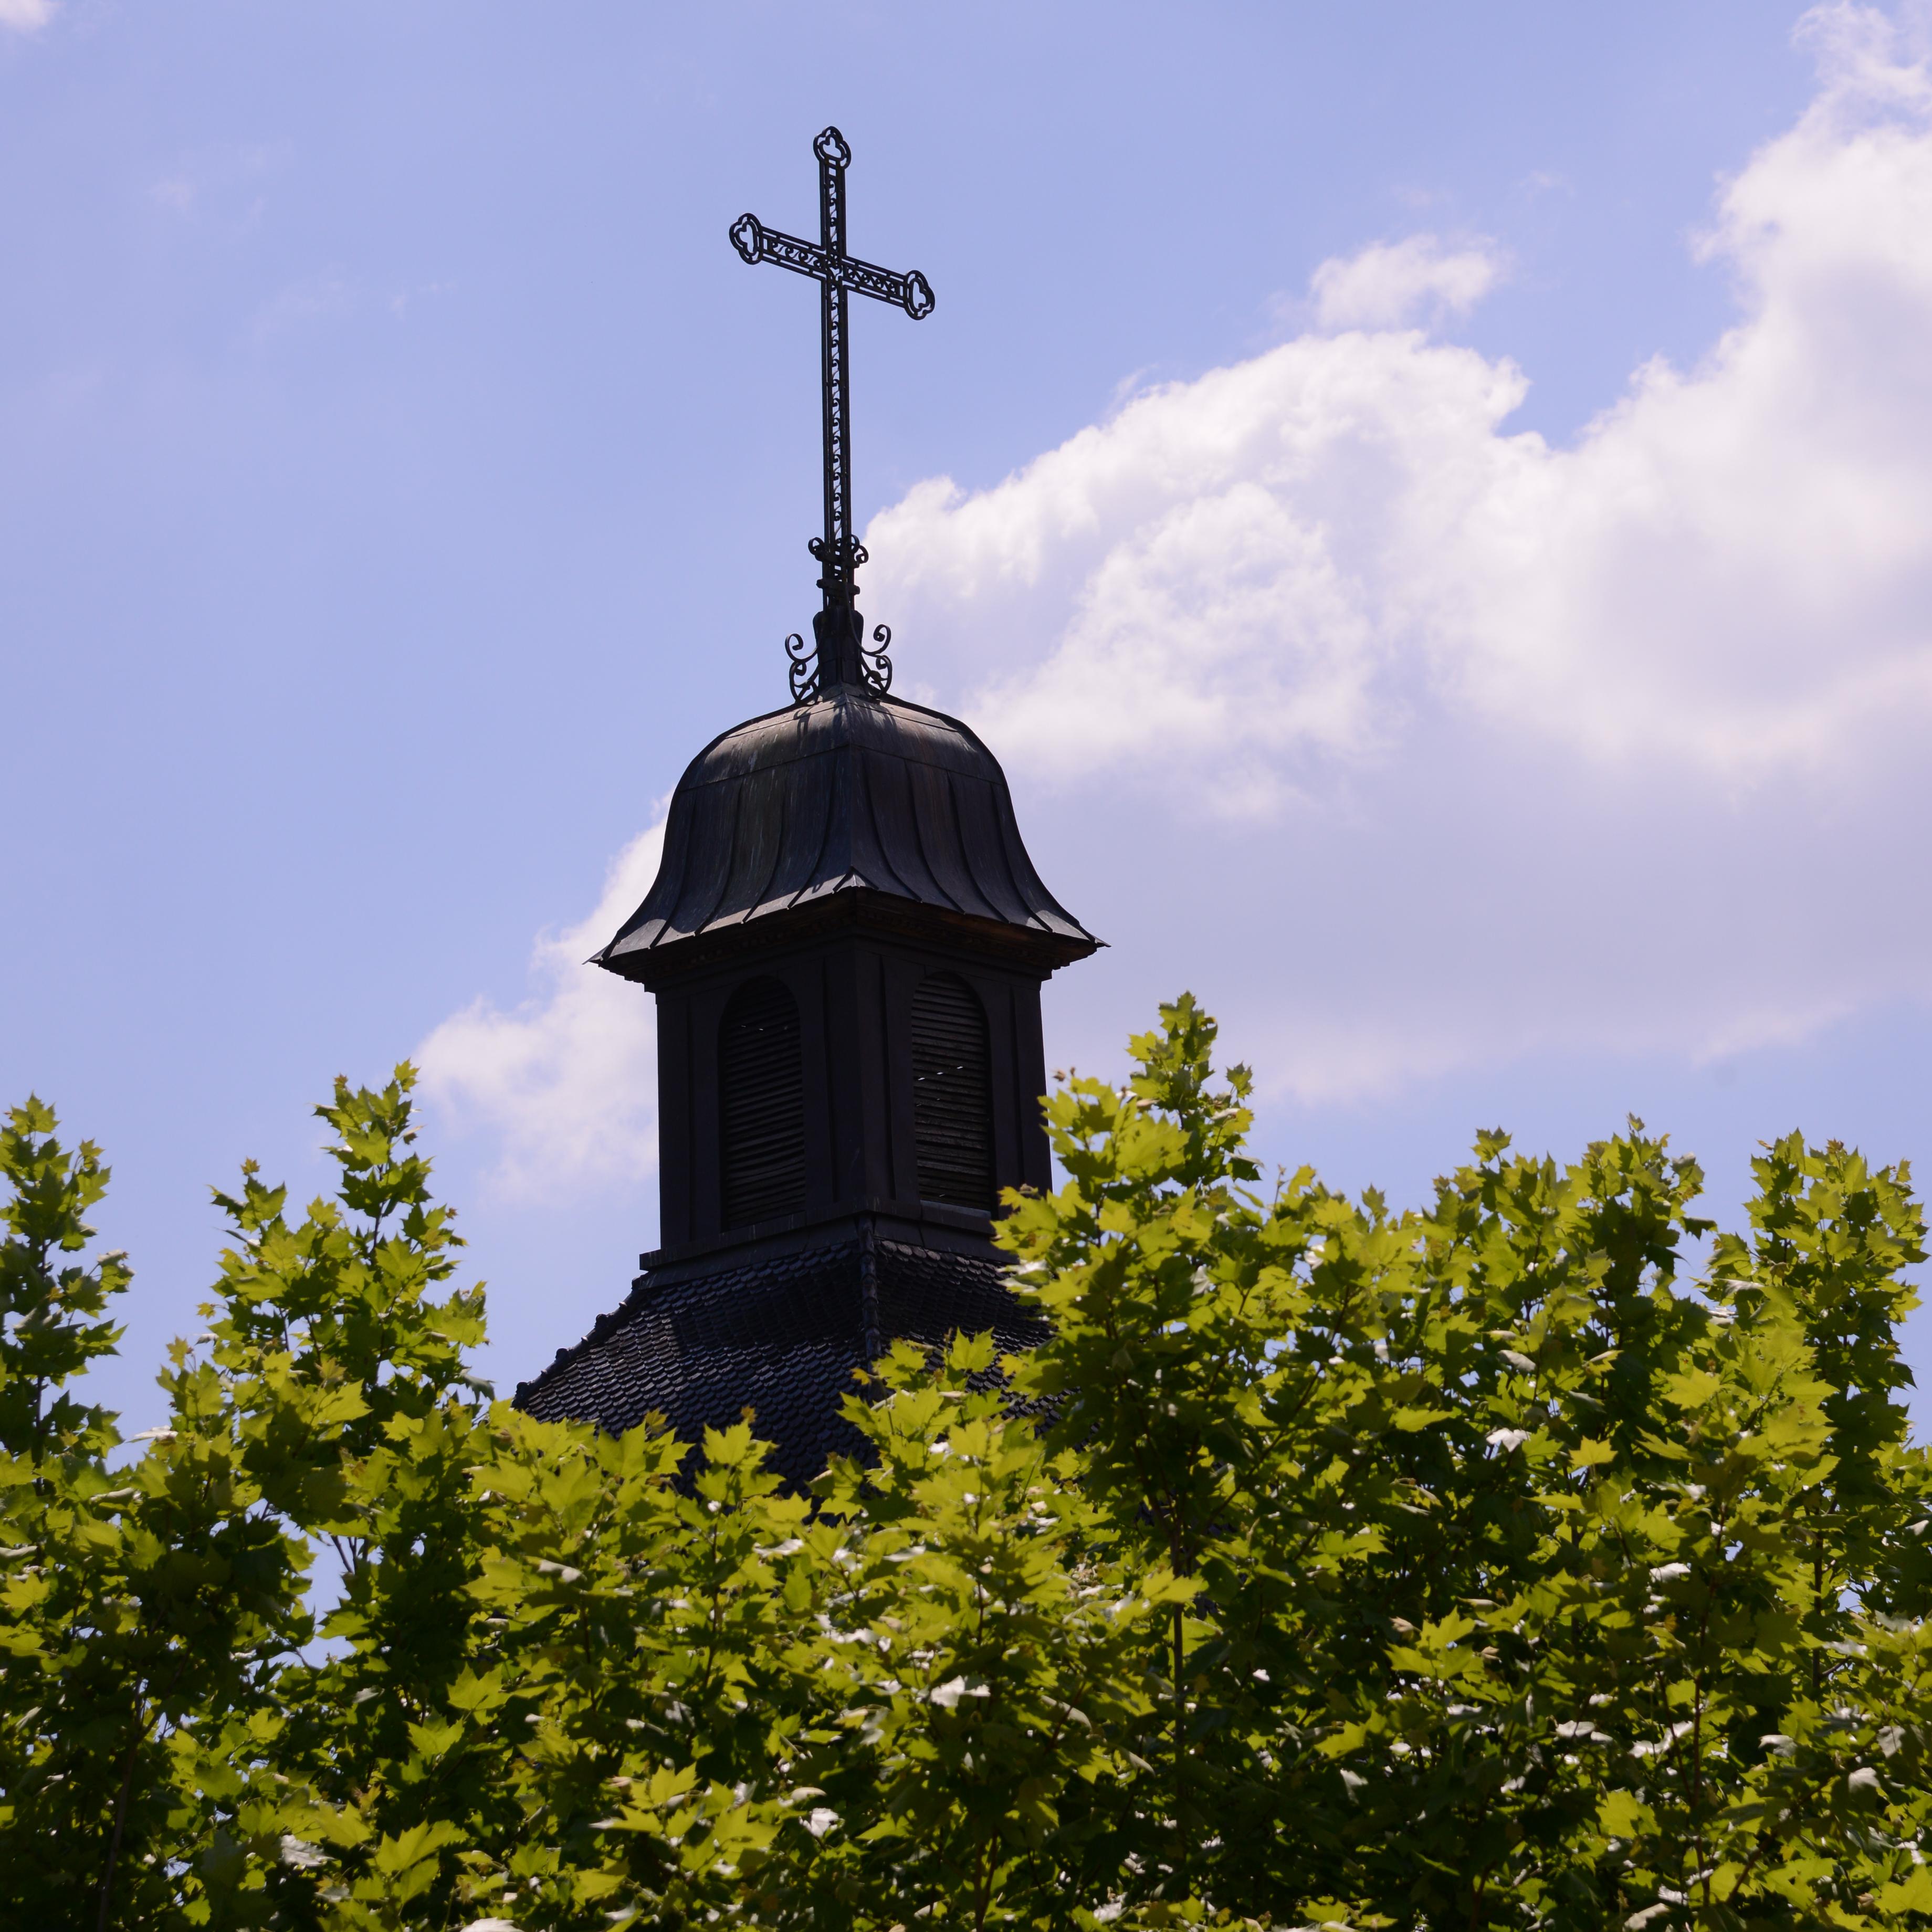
<point>665,959</point>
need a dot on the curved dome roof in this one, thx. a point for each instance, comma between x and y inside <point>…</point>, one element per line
<point>850,793</point>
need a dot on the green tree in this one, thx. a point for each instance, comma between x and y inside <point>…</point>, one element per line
<point>146,1611</point>
<point>1481,1565</point>
<point>1523,1569</point>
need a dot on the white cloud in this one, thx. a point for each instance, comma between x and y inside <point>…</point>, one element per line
<point>1315,644</point>
<point>1220,572</point>
<point>1391,283</point>
<point>301,305</point>
<point>567,1081</point>
<point>25,16</point>
<point>1731,566</point>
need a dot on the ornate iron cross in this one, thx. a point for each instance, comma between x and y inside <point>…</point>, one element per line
<point>841,654</point>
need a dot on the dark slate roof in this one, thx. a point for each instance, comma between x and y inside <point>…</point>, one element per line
<point>850,792</point>
<point>782,1336</point>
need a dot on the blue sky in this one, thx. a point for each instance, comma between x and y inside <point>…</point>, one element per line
<point>1432,506</point>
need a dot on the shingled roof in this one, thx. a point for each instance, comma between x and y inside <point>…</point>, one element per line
<point>782,1335</point>
<point>852,793</point>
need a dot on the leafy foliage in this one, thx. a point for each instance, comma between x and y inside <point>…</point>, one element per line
<point>1482,1565</point>
<point>144,1611</point>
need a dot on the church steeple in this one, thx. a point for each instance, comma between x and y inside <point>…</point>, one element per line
<point>846,850</point>
<point>847,940</point>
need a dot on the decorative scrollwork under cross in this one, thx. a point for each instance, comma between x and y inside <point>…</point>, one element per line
<point>842,657</point>
<point>875,668</point>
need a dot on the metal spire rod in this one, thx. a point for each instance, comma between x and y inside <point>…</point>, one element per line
<point>841,655</point>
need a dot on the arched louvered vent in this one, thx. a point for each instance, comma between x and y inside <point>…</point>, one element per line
<point>761,1106</point>
<point>952,1094</point>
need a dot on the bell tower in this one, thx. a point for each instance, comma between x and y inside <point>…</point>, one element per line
<point>846,940</point>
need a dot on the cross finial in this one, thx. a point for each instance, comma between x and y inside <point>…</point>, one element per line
<point>842,656</point>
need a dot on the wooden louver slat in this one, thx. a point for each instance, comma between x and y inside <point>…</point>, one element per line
<point>952,1093</point>
<point>761,1106</point>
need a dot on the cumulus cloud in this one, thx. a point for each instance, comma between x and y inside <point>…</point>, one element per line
<point>1731,566</point>
<point>1392,283</point>
<point>25,16</point>
<point>1412,741</point>
<point>566,1082</point>
<point>1316,632</point>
